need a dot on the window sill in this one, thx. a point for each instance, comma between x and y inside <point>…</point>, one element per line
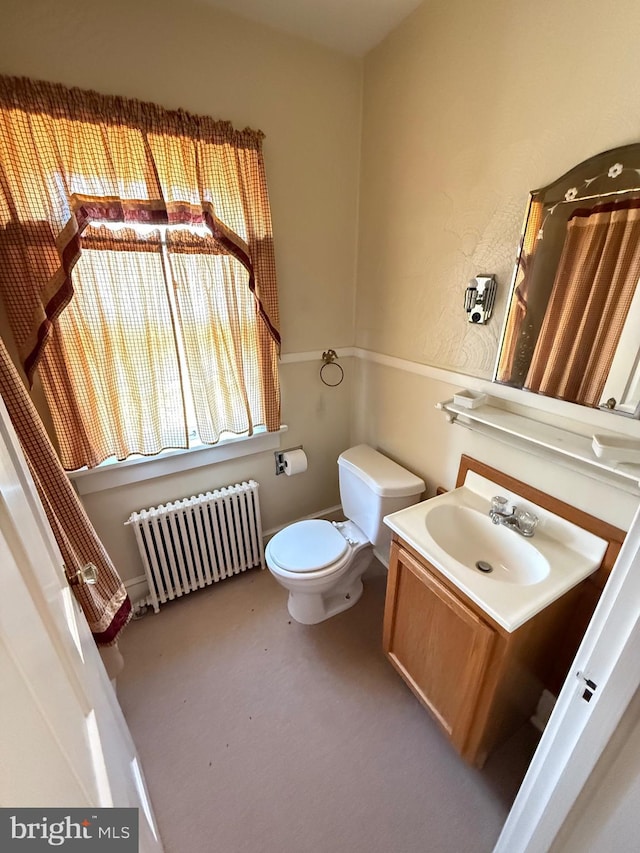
<point>171,462</point>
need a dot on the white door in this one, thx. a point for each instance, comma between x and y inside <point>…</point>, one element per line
<point>601,683</point>
<point>63,739</point>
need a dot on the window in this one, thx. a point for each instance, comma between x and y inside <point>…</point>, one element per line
<point>142,242</point>
<point>159,342</point>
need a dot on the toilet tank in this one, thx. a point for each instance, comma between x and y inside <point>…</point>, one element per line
<point>372,486</point>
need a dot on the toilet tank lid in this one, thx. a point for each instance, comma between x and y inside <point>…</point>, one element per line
<point>382,475</point>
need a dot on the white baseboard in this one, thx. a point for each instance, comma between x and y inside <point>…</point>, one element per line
<point>137,587</point>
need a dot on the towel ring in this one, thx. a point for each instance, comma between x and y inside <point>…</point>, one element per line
<point>329,358</point>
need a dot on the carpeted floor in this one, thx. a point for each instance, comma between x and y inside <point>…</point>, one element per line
<point>260,735</point>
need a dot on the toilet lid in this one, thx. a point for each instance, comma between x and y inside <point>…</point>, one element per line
<point>307,546</point>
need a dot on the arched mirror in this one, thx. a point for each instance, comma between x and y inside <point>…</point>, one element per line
<point>572,329</point>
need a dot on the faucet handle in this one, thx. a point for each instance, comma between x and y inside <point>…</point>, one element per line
<point>527,521</point>
<point>500,505</point>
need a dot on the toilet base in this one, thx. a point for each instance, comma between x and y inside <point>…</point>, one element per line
<point>309,608</point>
<point>319,595</point>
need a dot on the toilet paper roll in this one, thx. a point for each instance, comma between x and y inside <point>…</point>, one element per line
<point>295,462</point>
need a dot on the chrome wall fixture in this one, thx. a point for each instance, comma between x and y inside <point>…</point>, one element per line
<point>479,298</point>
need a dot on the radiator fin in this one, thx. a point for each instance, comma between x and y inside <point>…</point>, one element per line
<point>191,543</point>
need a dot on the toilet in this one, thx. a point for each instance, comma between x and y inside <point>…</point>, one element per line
<point>321,563</point>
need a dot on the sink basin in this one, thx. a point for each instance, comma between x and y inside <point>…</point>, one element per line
<point>471,538</point>
<point>454,534</point>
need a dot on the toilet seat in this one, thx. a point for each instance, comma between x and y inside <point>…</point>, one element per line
<point>307,546</point>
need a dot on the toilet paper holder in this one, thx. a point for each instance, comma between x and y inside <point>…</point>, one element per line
<point>279,455</point>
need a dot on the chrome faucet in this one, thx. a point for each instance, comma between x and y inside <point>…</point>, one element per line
<point>520,520</point>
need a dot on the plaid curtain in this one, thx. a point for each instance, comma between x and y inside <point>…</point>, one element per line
<point>105,604</point>
<point>70,157</point>
<point>110,370</point>
<point>111,364</point>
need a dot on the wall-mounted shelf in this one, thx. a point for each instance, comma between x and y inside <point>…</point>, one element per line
<point>571,449</point>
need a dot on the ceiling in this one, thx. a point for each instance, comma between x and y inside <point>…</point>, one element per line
<point>349,26</point>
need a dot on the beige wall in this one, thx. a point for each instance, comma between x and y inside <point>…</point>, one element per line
<point>307,100</point>
<point>467,107</point>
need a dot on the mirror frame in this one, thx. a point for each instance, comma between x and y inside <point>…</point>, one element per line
<point>612,175</point>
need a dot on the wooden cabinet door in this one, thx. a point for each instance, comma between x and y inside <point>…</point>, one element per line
<point>438,645</point>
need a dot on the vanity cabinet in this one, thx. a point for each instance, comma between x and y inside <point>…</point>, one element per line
<point>438,644</point>
<point>479,681</point>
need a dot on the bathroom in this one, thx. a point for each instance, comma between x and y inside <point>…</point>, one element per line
<point>394,178</point>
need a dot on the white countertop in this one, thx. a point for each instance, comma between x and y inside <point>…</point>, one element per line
<point>572,553</point>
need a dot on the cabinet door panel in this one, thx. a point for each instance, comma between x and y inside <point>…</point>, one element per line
<point>438,644</point>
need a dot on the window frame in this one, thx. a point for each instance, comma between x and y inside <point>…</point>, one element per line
<point>113,473</point>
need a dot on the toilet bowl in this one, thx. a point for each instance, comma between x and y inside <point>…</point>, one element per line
<point>321,563</point>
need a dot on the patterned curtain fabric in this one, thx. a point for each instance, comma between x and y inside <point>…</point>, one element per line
<point>597,276</point>
<point>110,370</point>
<point>70,157</point>
<point>105,604</point>
<point>214,310</point>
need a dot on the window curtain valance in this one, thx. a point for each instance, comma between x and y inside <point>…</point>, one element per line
<point>69,157</point>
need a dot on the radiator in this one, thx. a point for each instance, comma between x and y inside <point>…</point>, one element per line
<point>197,541</point>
